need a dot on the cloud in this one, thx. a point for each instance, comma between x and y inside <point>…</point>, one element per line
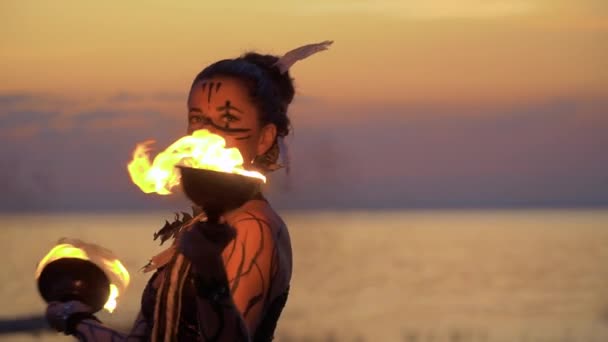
<point>548,152</point>
<point>55,158</point>
<point>25,115</point>
<point>545,153</point>
<point>14,102</point>
<point>155,97</point>
<point>12,99</point>
<point>124,97</point>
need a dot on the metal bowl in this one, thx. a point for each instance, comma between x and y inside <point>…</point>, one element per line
<point>217,192</point>
<point>69,279</point>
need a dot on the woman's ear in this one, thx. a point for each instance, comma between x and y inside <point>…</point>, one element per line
<point>267,137</point>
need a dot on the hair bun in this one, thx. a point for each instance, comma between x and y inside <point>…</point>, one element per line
<point>283,81</point>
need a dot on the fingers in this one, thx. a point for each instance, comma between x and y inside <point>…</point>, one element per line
<point>57,313</point>
<point>54,316</point>
<point>205,242</point>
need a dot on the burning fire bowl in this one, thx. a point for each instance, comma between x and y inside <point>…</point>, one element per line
<point>217,192</point>
<point>68,279</point>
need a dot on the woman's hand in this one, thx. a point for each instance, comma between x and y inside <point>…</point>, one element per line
<point>204,243</point>
<point>59,314</point>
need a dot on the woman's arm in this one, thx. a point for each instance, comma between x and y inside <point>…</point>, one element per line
<point>74,318</point>
<point>93,331</point>
<point>90,330</point>
<point>233,284</point>
<point>249,265</point>
<point>218,316</point>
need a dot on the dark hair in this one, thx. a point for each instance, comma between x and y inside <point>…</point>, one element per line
<point>271,91</point>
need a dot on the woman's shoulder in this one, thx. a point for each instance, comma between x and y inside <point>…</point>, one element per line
<point>257,210</point>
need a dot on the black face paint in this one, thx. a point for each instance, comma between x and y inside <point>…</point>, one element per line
<point>227,107</point>
<point>226,111</point>
<point>209,92</point>
<point>208,121</point>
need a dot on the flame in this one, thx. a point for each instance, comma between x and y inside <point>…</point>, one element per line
<point>113,268</point>
<point>111,303</point>
<point>116,268</point>
<point>202,150</point>
<point>62,250</point>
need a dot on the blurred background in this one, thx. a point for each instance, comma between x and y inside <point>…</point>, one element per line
<point>449,173</point>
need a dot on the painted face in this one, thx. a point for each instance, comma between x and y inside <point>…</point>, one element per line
<point>222,105</point>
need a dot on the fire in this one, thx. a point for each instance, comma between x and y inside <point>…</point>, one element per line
<point>62,250</point>
<point>202,150</point>
<point>116,268</point>
<point>111,303</point>
<point>104,259</point>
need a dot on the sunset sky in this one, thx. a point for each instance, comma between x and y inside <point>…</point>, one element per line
<point>455,103</point>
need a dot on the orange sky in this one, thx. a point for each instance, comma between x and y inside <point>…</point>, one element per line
<point>386,50</point>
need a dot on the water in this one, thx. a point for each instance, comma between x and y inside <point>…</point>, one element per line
<point>413,276</point>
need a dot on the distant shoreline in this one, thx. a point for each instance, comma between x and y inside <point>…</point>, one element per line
<point>168,211</point>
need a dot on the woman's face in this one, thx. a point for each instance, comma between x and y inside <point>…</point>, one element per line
<point>222,105</point>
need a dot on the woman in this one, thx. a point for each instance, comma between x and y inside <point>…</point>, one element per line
<point>228,281</point>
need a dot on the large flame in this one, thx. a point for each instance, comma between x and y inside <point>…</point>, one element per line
<point>201,150</point>
<point>104,259</point>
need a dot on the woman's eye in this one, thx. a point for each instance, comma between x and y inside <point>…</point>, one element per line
<point>195,119</point>
<point>229,118</point>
